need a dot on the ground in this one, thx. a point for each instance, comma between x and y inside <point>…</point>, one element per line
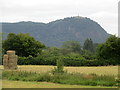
<point>103,70</point>
<point>21,84</point>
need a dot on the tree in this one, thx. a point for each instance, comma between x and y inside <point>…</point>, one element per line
<point>71,46</point>
<point>110,50</point>
<point>88,45</point>
<point>23,44</point>
<point>95,45</point>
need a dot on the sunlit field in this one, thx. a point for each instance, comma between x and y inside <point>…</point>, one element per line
<point>21,84</point>
<point>103,70</point>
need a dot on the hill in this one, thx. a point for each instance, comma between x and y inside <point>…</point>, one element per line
<point>55,32</point>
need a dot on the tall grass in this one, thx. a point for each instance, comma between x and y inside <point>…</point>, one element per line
<point>65,78</point>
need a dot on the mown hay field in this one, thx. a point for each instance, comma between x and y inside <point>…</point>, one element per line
<point>22,84</point>
<point>102,70</point>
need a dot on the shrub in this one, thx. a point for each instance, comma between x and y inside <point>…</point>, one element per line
<point>71,59</point>
<point>60,67</point>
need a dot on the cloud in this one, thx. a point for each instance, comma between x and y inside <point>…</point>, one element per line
<point>108,20</point>
<point>102,11</point>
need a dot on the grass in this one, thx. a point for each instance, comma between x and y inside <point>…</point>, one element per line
<point>102,70</point>
<point>21,84</point>
<point>65,78</point>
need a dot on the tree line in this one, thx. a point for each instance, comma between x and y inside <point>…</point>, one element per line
<point>33,52</point>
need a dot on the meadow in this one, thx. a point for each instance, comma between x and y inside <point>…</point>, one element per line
<point>102,70</point>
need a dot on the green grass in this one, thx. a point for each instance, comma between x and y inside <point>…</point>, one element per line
<point>21,84</point>
<point>105,71</point>
<point>66,78</point>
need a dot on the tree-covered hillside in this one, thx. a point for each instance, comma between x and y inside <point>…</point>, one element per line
<point>55,32</point>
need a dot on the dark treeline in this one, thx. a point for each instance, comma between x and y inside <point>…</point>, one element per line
<point>32,52</point>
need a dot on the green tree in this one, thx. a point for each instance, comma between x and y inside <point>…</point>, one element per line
<point>88,45</point>
<point>71,46</point>
<point>110,50</point>
<point>95,45</point>
<point>23,44</point>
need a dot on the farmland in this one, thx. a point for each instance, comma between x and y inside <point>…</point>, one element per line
<point>104,70</point>
<point>90,65</point>
<point>21,84</point>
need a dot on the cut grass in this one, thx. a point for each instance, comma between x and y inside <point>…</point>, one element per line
<point>21,84</point>
<point>103,70</point>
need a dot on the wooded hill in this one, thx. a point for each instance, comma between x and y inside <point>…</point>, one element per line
<point>55,32</point>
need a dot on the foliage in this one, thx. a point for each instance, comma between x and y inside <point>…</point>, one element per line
<point>88,45</point>
<point>25,60</point>
<point>23,44</point>
<point>31,52</point>
<point>60,67</point>
<point>65,78</point>
<point>71,46</point>
<point>95,45</point>
<point>54,33</point>
<point>71,59</point>
<point>47,57</point>
<point>88,55</point>
<point>110,50</point>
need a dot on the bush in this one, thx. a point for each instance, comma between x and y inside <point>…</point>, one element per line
<point>71,59</point>
<point>60,67</point>
<point>25,60</point>
<point>39,60</point>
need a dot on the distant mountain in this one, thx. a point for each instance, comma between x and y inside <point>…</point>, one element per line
<point>54,33</point>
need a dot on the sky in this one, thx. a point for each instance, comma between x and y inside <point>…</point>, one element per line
<point>104,12</point>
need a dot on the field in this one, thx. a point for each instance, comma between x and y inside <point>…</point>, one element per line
<point>104,70</point>
<point>21,84</point>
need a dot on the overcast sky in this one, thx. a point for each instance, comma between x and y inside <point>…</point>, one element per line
<point>105,12</point>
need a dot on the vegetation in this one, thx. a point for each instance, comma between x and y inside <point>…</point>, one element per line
<point>23,44</point>
<point>59,68</point>
<point>35,74</point>
<point>100,70</point>
<point>71,46</point>
<point>109,51</point>
<point>32,52</point>
<point>22,84</point>
<point>71,53</point>
<point>54,33</point>
<point>88,45</point>
<point>65,78</point>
